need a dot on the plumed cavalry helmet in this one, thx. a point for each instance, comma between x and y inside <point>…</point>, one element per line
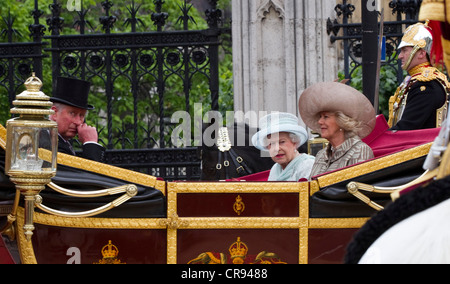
<point>419,37</point>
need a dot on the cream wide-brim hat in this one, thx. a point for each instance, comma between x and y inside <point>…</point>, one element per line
<point>332,97</point>
<point>275,123</point>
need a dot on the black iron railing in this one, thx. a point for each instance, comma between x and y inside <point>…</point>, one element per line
<point>136,76</point>
<point>351,34</point>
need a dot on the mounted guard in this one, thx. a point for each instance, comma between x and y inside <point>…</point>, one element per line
<point>421,101</point>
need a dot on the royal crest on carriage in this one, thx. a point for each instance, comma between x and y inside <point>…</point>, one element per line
<point>237,254</point>
<point>110,253</point>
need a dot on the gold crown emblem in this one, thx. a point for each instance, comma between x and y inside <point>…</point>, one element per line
<point>33,84</point>
<point>110,251</point>
<point>238,251</point>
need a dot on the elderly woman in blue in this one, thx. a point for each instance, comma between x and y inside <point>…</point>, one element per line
<point>281,135</point>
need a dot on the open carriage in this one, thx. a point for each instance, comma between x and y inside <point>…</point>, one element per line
<point>246,220</point>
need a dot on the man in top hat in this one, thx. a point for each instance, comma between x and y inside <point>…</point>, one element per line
<point>421,100</point>
<point>70,103</point>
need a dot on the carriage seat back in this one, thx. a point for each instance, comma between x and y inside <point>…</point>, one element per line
<point>384,142</point>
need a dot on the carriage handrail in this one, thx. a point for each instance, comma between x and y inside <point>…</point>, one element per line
<point>91,194</point>
<point>131,191</point>
<point>354,187</point>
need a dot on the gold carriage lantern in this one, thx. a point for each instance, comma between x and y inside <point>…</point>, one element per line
<point>31,148</point>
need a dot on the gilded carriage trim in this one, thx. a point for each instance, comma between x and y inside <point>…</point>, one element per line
<point>2,137</point>
<point>171,203</point>
<point>171,246</point>
<point>97,223</point>
<point>313,187</point>
<point>174,222</point>
<point>243,223</point>
<point>304,202</point>
<point>303,246</point>
<point>26,250</point>
<point>171,233</point>
<point>373,165</point>
<point>304,224</point>
<point>161,185</point>
<point>237,187</point>
<point>336,223</point>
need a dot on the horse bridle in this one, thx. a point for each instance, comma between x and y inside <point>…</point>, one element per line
<point>226,153</point>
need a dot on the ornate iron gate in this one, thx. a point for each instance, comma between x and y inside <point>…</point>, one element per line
<point>142,63</point>
<point>406,12</point>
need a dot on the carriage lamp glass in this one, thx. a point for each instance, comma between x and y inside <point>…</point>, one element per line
<point>31,147</point>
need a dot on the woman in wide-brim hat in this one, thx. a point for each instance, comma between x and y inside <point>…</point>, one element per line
<point>343,116</point>
<point>281,135</point>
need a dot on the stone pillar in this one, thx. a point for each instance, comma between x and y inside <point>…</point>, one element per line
<point>280,47</point>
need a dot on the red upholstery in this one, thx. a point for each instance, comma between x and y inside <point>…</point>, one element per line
<point>5,256</point>
<point>262,176</point>
<point>384,142</point>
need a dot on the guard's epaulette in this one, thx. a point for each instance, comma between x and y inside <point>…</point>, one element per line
<point>428,74</point>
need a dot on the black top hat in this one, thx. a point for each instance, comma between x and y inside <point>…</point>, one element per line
<point>73,92</point>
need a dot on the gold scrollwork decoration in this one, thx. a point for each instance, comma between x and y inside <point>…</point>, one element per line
<point>174,222</point>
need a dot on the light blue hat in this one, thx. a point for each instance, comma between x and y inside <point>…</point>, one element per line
<point>278,122</point>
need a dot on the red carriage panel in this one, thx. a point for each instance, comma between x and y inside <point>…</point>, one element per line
<point>238,204</point>
<point>220,246</point>
<point>54,245</point>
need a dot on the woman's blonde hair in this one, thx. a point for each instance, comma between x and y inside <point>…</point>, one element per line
<point>350,126</point>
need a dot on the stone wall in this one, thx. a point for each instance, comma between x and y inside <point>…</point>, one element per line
<point>280,48</point>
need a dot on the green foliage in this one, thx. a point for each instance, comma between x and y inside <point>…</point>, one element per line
<point>4,110</point>
<point>123,105</point>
